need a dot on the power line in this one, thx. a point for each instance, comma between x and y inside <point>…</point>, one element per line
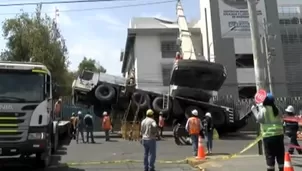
<point>104,8</point>
<point>57,2</point>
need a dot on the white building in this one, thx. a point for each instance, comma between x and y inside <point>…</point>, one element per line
<point>223,28</point>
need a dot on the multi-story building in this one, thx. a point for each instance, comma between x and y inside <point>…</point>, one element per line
<point>222,35</point>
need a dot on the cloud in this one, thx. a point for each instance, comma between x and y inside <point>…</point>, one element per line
<point>112,22</point>
<point>101,50</point>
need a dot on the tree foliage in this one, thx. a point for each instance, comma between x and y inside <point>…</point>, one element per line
<point>90,64</point>
<point>37,39</point>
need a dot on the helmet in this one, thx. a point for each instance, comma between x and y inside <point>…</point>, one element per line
<point>208,114</point>
<point>149,112</point>
<point>290,109</point>
<point>194,112</point>
<point>79,112</point>
<point>73,114</point>
<point>269,96</point>
<point>160,113</point>
<point>105,113</point>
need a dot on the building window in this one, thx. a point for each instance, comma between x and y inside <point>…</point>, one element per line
<point>166,73</point>
<point>168,49</point>
<point>291,38</point>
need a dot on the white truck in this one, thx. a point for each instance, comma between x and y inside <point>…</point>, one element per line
<point>27,123</point>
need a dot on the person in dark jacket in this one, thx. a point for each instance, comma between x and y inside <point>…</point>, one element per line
<point>291,129</point>
<point>88,119</point>
<point>208,131</point>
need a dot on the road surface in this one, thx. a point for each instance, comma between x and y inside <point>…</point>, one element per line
<point>82,157</point>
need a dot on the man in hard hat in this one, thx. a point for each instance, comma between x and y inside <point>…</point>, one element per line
<point>208,131</point>
<point>194,126</point>
<point>267,114</point>
<point>88,119</point>
<point>80,127</point>
<point>106,124</point>
<point>291,129</point>
<point>149,132</point>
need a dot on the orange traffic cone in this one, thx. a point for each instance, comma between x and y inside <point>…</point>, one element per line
<point>287,163</point>
<point>200,153</point>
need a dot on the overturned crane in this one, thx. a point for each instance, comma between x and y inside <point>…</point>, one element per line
<point>193,83</point>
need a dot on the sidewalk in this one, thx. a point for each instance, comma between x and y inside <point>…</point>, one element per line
<point>245,163</point>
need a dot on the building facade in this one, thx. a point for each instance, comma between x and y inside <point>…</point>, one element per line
<point>222,35</point>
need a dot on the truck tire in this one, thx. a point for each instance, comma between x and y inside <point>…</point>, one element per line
<point>44,159</point>
<point>104,92</point>
<point>219,118</point>
<point>55,143</point>
<point>157,105</point>
<point>177,109</point>
<point>189,111</point>
<point>138,96</point>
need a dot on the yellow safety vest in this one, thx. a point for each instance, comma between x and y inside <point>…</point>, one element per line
<point>272,125</point>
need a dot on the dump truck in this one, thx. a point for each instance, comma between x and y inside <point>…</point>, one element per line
<point>27,123</point>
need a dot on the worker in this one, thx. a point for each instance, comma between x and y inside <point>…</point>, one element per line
<point>291,129</point>
<point>73,119</point>
<point>57,108</point>
<point>193,127</point>
<point>208,131</point>
<point>268,116</point>
<point>161,124</point>
<point>106,124</point>
<point>80,127</point>
<point>88,119</point>
<point>149,132</point>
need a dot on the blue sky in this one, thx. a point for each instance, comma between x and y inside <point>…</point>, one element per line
<point>99,34</point>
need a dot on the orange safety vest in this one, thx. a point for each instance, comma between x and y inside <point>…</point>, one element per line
<point>106,123</point>
<point>161,122</point>
<point>194,126</point>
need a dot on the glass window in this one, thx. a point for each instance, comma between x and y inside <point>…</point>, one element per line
<point>168,49</point>
<point>21,86</point>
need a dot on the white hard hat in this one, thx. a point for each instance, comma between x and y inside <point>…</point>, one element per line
<point>208,114</point>
<point>194,112</point>
<point>105,113</point>
<point>290,109</point>
<point>79,112</point>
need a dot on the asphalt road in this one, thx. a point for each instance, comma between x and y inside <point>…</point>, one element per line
<point>119,149</point>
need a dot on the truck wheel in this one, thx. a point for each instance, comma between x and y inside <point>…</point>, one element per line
<point>104,92</point>
<point>157,105</point>
<point>138,96</point>
<point>43,159</point>
<point>219,118</point>
<point>55,142</point>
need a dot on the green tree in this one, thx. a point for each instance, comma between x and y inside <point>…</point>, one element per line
<point>90,64</point>
<point>37,39</point>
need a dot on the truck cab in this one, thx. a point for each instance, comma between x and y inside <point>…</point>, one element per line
<point>25,111</point>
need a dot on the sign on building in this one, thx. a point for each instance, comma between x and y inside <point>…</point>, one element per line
<point>234,17</point>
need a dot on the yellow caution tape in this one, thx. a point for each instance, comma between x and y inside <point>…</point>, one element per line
<point>252,144</point>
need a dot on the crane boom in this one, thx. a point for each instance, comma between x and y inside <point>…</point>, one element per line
<point>186,44</point>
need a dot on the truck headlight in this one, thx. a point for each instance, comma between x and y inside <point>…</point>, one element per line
<point>36,136</point>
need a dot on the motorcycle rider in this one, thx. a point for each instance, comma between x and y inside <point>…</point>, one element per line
<point>291,128</point>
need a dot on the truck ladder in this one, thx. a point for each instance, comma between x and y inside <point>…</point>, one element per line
<point>186,44</point>
<point>134,133</point>
<point>166,101</point>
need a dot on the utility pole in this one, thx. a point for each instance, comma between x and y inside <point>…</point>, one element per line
<point>255,36</point>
